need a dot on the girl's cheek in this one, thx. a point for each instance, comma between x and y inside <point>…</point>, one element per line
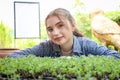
<point>50,35</point>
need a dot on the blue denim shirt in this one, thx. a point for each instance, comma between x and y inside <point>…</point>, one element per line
<point>81,46</point>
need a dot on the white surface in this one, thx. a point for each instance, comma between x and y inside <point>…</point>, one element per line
<point>27,20</point>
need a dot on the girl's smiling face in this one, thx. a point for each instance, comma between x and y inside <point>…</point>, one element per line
<point>59,30</point>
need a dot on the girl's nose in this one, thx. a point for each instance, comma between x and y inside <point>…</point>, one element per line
<point>55,32</point>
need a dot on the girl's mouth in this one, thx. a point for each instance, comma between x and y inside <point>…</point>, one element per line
<point>58,38</point>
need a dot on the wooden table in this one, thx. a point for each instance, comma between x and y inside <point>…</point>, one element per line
<point>6,51</point>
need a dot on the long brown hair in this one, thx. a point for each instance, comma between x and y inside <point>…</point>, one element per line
<point>65,13</point>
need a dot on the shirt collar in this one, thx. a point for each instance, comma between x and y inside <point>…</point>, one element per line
<point>76,46</point>
<point>56,48</point>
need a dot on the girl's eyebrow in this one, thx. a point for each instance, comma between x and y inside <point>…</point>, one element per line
<point>58,22</point>
<point>55,24</point>
<point>48,27</point>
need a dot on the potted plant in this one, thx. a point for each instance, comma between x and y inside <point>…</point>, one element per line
<point>6,36</point>
<point>62,68</point>
<point>6,40</point>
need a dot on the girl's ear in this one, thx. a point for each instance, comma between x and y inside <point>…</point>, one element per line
<point>74,26</point>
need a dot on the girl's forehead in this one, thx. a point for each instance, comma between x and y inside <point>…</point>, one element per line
<point>60,17</point>
<point>56,18</point>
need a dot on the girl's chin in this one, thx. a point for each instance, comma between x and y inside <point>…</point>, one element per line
<point>59,42</point>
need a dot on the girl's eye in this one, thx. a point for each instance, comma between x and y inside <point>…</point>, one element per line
<point>49,29</point>
<point>60,25</point>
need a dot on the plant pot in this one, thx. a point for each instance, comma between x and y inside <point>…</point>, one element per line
<point>6,51</point>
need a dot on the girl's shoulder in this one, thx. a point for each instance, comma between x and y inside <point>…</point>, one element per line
<point>85,40</point>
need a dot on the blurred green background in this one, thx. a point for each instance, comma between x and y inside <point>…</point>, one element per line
<point>7,33</point>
